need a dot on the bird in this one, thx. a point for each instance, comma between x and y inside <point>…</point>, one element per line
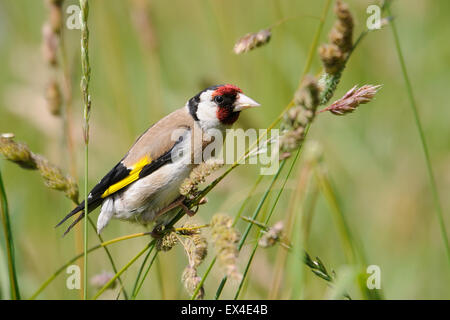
<point>143,186</point>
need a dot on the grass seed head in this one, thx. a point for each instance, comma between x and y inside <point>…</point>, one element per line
<point>167,241</point>
<point>225,239</point>
<point>272,236</point>
<point>332,58</point>
<point>191,280</point>
<point>252,40</point>
<point>16,152</point>
<point>55,17</point>
<point>50,42</point>
<point>53,97</point>
<point>334,54</point>
<point>196,249</point>
<point>296,120</point>
<point>352,100</point>
<point>189,187</point>
<point>342,32</point>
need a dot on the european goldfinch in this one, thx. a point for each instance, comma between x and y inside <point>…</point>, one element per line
<point>144,186</point>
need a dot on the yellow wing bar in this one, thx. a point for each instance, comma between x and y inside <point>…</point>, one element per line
<point>133,176</point>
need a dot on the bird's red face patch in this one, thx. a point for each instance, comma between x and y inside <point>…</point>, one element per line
<point>227,116</point>
<point>227,89</point>
<point>227,95</point>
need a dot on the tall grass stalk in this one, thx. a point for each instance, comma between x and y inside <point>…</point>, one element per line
<point>78,256</point>
<point>150,246</point>
<point>338,215</point>
<point>281,256</point>
<point>110,258</point>
<point>272,209</point>
<point>249,225</point>
<point>85,78</point>
<point>413,105</point>
<point>69,143</point>
<point>297,212</point>
<point>141,269</point>
<point>135,293</point>
<point>354,252</point>
<point>13,284</point>
<point>241,209</point>
<point>68,125</point>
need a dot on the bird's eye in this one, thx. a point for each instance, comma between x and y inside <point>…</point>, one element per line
<point>218,99</point>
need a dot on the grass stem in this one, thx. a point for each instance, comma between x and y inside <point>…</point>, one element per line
<point>150,246</point>
<point>13,284</point>
<point>249,225</point>
<point>266,223</point>
<point>78,256</point>
<point>412,102</point>
<point>135,293</point>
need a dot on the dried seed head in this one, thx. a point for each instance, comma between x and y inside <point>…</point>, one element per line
<point>272,236</point>
<point>191,280</point>
<point>99,280</point>
<point>196,249</point>
<point>334,55</point>
<point>16,152</point>
<point>292,139</point>
<point>20,154</point>
<point>189,187</point>
<point>49,44</point>
<point>55,179</point>
<point>296,120</point>
<point>308,94</point>
<point>342,32</point>
<point>167,241</point>
<point>53,97</point>
<point>352,99</point>
<point>332,58</point>
<point>196,245</point>
<point>55,14</point>
<point>225,239</point>
<point>252,40</point>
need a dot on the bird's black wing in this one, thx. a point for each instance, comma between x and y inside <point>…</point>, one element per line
<point>117,179</point>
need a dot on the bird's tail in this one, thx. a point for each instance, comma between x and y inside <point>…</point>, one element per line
<point>92,204</point>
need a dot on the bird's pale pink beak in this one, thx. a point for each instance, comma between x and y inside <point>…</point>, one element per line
<point>243,102</point>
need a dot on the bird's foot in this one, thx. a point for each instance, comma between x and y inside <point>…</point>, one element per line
<point>188,211</point>
<point>178,203</point>
<point>158,231</point>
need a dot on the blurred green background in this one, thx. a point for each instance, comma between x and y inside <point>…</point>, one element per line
<point>149,57</point>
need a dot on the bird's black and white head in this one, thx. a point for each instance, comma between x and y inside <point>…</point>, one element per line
<point>219,106</point>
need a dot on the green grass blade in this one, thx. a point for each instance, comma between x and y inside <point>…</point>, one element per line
<point>75,258</point>
<point>145,275</point>
<point>84,85</point>
<point>110,258</point>
<point>272,209</point>
<point>150,246</point>
<point>141,269</point>
<point>241,209</point>
<point>13,284</point>
<point>353,251</point>
<point>435,194</point>
<point>250,225</point>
